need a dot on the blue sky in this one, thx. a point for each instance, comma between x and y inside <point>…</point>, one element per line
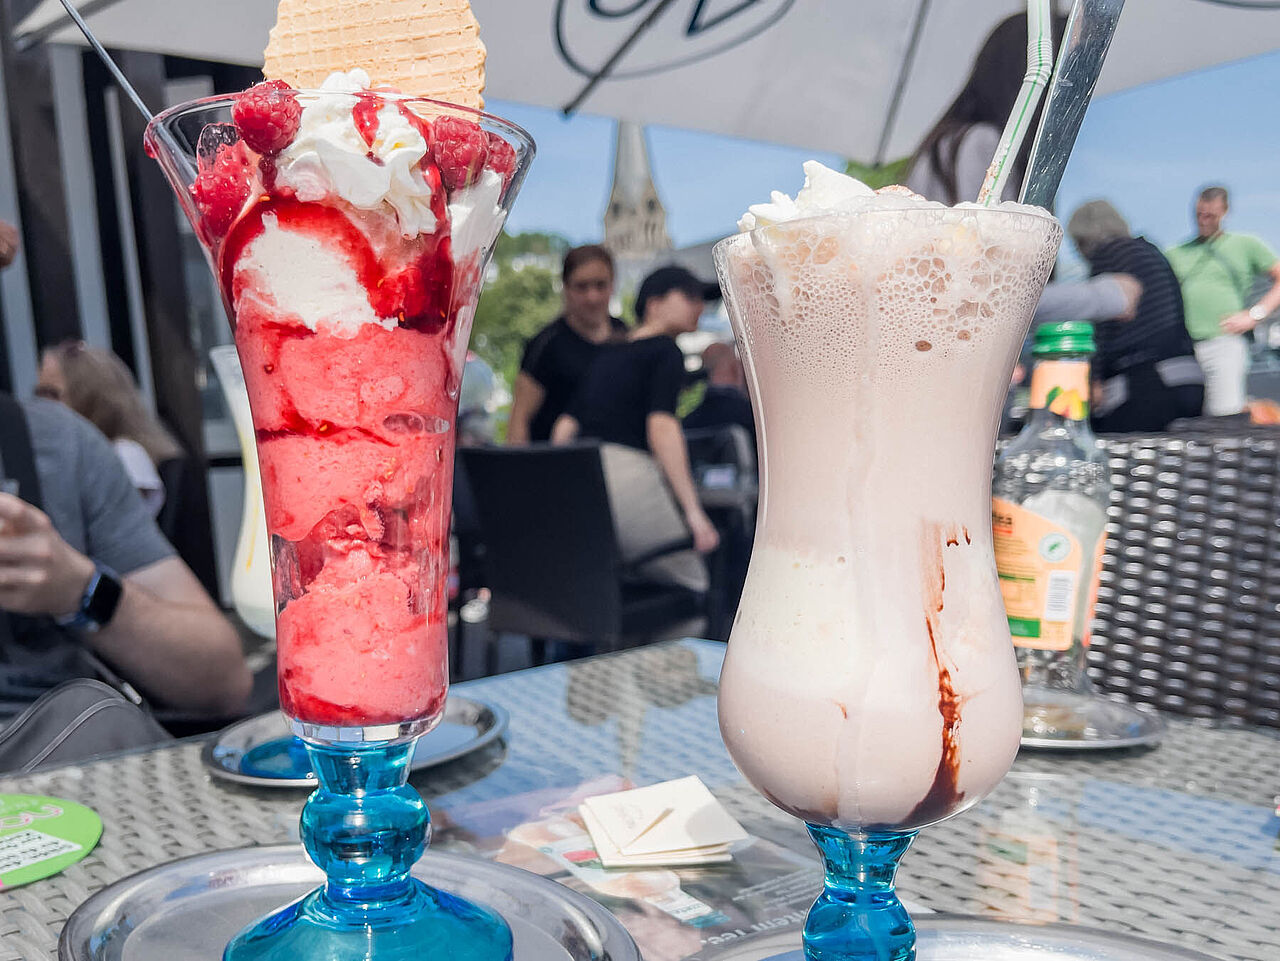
<point>1147,150</point>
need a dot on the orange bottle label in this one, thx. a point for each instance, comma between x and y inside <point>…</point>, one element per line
<point>1040,566</point>
<point>1062,386</point>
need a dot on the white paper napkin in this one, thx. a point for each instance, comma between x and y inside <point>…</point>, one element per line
<point>673,823</point>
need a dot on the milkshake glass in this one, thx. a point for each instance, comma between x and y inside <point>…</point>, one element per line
<point>349,229</point>
<point>870,686</point>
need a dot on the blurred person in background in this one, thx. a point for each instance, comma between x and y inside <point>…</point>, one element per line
<point>1145,366</point>
<point>478,399</point>
<point>557,358</point>
<point>98,386</point>
<point>87,579</point>
<point>628,400</point>
<point>1217,270</point>
<point>952,160</point>
<point>725,401</point>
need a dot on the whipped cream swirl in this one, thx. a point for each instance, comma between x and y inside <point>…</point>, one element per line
<point>824,191</point>
<point>330,156</point>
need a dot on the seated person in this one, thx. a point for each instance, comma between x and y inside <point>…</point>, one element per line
<point>629,397</point>
<point>726,401</point>
<point>88,571</point>
<point>1145,369</point>
<point>556,359</point>
<point>98,386</point>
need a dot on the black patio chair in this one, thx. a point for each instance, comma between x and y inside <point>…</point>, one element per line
<point>723,462</point>
<point>469,542</point>
<point>1188,613</point>
<point>552,559</point>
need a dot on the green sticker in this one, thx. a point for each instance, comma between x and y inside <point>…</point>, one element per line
<point>1024,626</point>
<point>40,836</point>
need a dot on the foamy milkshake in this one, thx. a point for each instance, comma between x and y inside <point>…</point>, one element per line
<point>870,683</point>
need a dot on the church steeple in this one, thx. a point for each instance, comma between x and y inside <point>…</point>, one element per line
<point>635,223</point>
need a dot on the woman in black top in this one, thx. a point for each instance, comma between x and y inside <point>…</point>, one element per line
<point>1146,367</point>
<point>629,395</point>
<point>557,357</point>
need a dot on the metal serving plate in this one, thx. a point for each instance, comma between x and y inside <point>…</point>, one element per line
<point>944,938</point>
<point>188,910</point>
<point>1091,723</point>
<point>262,752</point>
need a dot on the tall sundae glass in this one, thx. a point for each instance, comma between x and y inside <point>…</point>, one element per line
<point>349,229</point>
<point>870,686</point>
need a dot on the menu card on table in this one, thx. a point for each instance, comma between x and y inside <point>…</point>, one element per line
<point>672,910</point>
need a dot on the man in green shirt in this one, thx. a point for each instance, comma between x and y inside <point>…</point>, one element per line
<point>1217,270</point>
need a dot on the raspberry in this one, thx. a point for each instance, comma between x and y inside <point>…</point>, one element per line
<point>268,116</point>
<point>223,186</point>
<point>502,158</point>
<point>402,294</point>
<point>460,150</point>
<point>418,295</point>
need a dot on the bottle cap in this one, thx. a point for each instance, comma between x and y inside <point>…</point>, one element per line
<point>1067,337</point>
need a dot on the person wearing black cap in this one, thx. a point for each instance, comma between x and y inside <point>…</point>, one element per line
<point>629,395</point>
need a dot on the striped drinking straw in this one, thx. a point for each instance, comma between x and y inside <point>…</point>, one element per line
<point>1039,69</point>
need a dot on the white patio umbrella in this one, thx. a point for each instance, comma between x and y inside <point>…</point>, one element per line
<point>863,78</point>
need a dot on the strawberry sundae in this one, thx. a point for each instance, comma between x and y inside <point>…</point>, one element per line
<point>349,227</point>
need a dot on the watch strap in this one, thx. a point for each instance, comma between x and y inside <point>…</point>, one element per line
<point>99,601</point>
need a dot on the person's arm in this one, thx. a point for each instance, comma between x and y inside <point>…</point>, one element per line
<point>666,443</point>
<point>565,429</point>
<point>1244,321</point>
<point>167,637</point>
<point>973,156</point>
<point>1105,297</point>
<point>527,396</point>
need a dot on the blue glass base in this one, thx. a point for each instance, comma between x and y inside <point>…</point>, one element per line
<point>365,827</point>
<point>425,923</point>
<point>858,916</point>
<point>283,757</point>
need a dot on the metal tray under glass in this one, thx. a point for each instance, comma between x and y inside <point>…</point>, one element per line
<point>1086,722</point>
<point>262,751</point>
<point>945,938</point>
<point>188,910</point>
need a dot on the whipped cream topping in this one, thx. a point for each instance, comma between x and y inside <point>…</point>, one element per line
<point>309,280</point>
<point>828,191</point>
<point>330,156</point>
<point>475,215</point>
<point>825,190</point>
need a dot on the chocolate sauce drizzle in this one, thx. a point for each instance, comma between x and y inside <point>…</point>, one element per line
<point>944,794</point>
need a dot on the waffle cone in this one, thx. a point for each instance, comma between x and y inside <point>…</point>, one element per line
<point>427,48</point>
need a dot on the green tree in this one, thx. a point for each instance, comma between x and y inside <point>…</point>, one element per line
<point>533,243</point>
<point>876,176</point>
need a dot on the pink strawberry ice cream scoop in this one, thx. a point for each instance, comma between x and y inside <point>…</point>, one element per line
<point>354,650</point>
<point>349,238</point>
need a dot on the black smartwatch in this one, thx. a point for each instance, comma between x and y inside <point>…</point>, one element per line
<point>98,603</point>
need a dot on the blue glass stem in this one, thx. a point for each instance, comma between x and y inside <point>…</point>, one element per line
<point>858,916</point>
<point>365,827</point>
